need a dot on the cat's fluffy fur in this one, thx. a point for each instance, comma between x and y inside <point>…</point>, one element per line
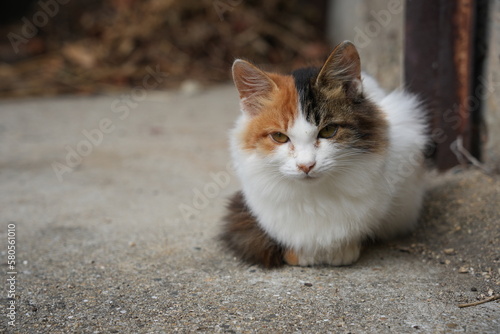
<point>314,198</point>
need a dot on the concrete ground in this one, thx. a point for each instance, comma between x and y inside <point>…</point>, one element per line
<point>114,204</point>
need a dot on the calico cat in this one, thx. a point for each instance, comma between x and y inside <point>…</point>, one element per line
<point>326,160</point>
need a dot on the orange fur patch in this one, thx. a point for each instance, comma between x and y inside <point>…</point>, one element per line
<point>277,115</point>
<point>291,258</point>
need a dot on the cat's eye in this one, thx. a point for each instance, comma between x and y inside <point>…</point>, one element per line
<point>328,131</point>
<point>279,137</point>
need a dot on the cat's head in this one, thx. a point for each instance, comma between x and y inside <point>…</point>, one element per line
<point>311,123</point>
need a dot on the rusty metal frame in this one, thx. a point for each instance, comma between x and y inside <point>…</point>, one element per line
<point>441,66</point>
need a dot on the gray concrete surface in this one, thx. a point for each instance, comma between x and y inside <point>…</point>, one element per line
<point>120,238</point>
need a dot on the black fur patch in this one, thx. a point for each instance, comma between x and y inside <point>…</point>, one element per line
<point>304,80</point>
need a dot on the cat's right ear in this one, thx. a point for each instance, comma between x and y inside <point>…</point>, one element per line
<point>342,71</point>
<point>254,86</point>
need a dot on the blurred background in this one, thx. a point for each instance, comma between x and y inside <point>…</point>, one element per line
<point>88,47</point>
<point>93,46</point>
<point>51,47</point>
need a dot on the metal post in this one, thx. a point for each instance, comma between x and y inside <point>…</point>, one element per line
<point>439,65</point>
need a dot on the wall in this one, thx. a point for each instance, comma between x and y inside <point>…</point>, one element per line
<point>375,27</point>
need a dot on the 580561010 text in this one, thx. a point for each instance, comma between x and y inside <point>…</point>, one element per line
<point>11,274</point>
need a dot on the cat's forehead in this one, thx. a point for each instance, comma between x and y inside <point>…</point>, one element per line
<point>294,99</point>
<point>295,103</point>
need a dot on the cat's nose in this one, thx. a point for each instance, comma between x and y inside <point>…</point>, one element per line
<point>306,168</point>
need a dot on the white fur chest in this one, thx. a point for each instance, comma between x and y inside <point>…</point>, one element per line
<point>313,215</point>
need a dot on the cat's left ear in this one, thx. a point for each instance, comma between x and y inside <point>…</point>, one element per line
<point>254,86</point>
<point>342,71</point>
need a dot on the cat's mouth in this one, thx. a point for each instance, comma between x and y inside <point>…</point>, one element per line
<point>304,177</point>
<point>308,178</point>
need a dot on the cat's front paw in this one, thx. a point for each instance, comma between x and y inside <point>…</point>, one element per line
<point>346,255</point>
<point>291,258</point>
<point>294,258</point>
<point>343,256</point>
